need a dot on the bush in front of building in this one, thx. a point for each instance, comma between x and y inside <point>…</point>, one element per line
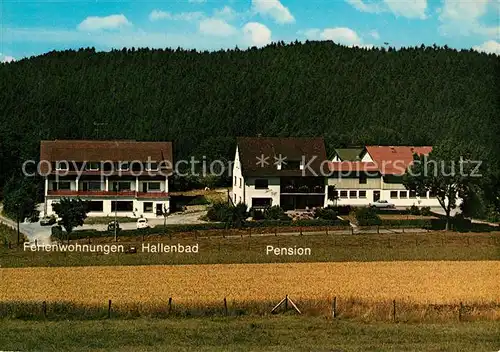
<point>327,213</point>
<point>275,213</point>
<point>367,216</point>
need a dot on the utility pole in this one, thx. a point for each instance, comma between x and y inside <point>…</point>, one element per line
<point>116,207</point>
<point>165,214</point>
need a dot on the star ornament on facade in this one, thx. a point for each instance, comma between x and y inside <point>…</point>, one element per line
<point>279,160</point>
<point>262,161</point>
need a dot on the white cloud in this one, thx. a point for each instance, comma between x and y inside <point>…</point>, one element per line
<point>408,9</point>
<point>257,34</point>
<point>463,18</point>
<point>216,27</point>
<point>366,7</point>
<point>339,35</point>
<point>157,15</point>
<point>490,47</point>
<point>6,58</point>
<point>415,9</point>
<point>273,9</point>
<point>95,23</point>
<point>374,34</point>
<point>226,12</point>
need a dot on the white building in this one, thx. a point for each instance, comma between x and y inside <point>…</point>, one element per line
<point>376,174</point>
<point>279,171</point>
<point>128,178</point>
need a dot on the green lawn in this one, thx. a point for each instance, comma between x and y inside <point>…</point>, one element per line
<point>324,248</point>
<point>277,333</point>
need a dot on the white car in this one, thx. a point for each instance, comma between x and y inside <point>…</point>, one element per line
<point>142,223</point>
<point>382,204</point>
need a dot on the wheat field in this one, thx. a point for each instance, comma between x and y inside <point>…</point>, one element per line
<point>419,282</point>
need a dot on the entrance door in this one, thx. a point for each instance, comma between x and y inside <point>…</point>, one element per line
<point>159,209</point>
<point>376,196</point>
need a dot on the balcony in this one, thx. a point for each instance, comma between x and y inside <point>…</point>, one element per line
<point>128,194</point>
<point>303,189</point>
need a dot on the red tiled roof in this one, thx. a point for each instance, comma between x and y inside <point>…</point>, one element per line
<point>394,160</point>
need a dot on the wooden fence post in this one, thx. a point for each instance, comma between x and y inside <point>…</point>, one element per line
<point>276,231</point>
<point>334,307</point>
<point>225,306</point>
<point>109,309</point>
<point>301,230</point>
<point>460,309</point>
<point>378,229</point>
<point>169,305</point>
<point>286,303</point>
<point>327,230</point>
<point>394,310</point>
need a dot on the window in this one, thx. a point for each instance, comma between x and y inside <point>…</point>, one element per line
<point>235,181</point>
<point>432,194</point>
<point>123,166</point>
<point>92,186</point>
<point>261,183</point>
<point>121,186</point>
<point>261,202</point>
<point>394,194</point>
<point>403,194</point>
<point>353,194</point>
<point>122,206</point>
<point>235,198</point>
<point>61,185</point>
<point>240,199</point>
<point>154,186</point>
<point>343,194</point>
<point>332,192</point>
<point>62,165</point>
<point>362,179</point>
<point>95,206</point>
<point>362,194</point>
<point>241,181</point>
<point>147,207</point>
<point>92,166</point>
<point>152,166</point>
<point>413,194</point>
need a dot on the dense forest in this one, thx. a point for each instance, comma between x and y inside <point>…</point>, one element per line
<point>202,100</point>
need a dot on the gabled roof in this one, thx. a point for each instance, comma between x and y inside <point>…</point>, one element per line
<point>394,160</point>
<point>253,149</point>
<point>349,154</point>
<point>100,151</point>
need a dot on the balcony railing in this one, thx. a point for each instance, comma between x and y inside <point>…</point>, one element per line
<point>134,194</point>
<point>304,189</point>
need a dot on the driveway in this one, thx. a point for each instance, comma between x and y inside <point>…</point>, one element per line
<point>33,231</point>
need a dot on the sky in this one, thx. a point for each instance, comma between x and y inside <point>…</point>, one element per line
<point>29,27</point>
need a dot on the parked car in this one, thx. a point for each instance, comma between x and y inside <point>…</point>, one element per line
<point>47,221</point>
<point>142,223</point>
<point>112,225</point>
<point>382,204</point>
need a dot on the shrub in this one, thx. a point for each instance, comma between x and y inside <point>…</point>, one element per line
<point>325,214</point>
<point>367,216</point>
<point>413,210</point>
<point>275,213</point>
<point>425,211</point>
<point>341,209</point>
<point>257,214</point>
<point>220,212</point>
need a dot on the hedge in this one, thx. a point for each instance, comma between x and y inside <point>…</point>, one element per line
<point>81,234</point>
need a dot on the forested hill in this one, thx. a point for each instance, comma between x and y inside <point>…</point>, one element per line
<point>202,100</point>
